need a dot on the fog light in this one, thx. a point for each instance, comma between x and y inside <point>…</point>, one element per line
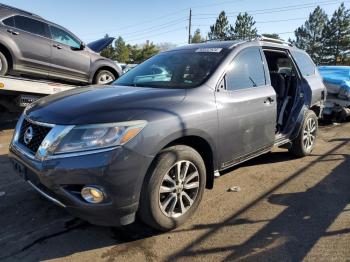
<point>92,194</point>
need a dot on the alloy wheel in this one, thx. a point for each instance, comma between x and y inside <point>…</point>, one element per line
<point>179,189</point>
<point>309,133</point>
<point>105,79</point>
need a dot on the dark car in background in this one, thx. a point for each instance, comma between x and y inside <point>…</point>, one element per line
<point>31,46</point>
<point>151,145</point>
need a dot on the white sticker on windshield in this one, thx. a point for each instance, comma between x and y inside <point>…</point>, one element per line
<point>208,50</point>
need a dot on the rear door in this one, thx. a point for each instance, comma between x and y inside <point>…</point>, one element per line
<point>68,61</point>
<point>247,108</point>
<point>32,40</point>
<point>313,86</point>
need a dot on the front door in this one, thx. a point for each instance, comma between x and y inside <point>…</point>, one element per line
<point>68,60</point>
<point>246,107</point>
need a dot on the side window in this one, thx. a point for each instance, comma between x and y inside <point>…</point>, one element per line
<point>30,25</point>
<point>304,62</point>
<point>64,37</point>
<point>246,71</point>
<point>9,21</point>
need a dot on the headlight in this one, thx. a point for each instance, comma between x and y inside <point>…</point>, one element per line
<point>91,137</point>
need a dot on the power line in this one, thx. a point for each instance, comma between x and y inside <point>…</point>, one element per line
<point>160,33</point>
<point>169,23</point>
<point>151,29</point>
<point>174,22</point>
<point>273,10</point>
<point>167,15</point>
<point>262,22</point>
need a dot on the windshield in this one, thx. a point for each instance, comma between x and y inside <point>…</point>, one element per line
<point>175,69</point>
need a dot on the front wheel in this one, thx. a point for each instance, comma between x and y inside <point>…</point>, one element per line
<point>305,142</point>
<point>104,77</point>
<point>173,189</point>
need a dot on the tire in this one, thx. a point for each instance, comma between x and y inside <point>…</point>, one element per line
<point>305,142</point>
<point>152,199</point>
<point>3,65</point>
<point>104,77</point>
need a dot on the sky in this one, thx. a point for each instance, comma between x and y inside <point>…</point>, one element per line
<point>167,21</point>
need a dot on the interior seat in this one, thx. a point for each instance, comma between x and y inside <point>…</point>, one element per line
<point>279,84</point>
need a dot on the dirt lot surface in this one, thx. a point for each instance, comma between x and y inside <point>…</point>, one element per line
<point>287,209</point>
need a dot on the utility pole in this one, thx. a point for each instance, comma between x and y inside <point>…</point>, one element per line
<point>189,27</point>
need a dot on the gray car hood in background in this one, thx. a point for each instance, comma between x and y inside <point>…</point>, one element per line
<point>98,45</point>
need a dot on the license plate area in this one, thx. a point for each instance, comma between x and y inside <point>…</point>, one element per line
<point>25,173</point>
<point>20,169</point>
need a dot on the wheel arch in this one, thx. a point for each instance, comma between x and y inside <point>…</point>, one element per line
<point>7,53</point>
<point>105,67</point>
<point>203,147</point>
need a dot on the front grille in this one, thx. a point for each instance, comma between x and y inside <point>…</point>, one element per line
<point>39,133</point>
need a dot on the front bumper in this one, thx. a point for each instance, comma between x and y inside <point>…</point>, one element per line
<point>119,172</point>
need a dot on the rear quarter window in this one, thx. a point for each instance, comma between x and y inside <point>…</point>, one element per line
<point>305,64</point>
<point>9,21</point>
<point>30,25</point>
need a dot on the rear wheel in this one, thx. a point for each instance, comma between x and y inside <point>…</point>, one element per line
<point>173,189</point>
<point>3,64</point>
<point>104,77</point>
<point>305,142</point>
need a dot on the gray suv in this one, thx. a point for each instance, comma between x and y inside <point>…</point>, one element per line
<point>151,145</point>
<point>33,47</point>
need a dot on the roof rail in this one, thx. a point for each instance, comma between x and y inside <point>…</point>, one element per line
<point>272,40</point>
<point>18,10</point>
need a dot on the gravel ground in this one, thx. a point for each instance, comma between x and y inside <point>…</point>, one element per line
<point>286,209</point>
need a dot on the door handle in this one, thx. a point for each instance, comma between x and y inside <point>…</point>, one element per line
<point>12,32</point>
<point>269,100</point>
<point>57,46</point>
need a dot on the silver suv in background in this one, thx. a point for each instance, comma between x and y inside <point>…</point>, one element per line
<point>31,46</point>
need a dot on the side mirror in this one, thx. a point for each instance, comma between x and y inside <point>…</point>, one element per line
<point>82,46</point>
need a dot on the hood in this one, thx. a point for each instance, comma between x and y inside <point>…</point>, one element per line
<point>102,104</point>
<point>98,45</point>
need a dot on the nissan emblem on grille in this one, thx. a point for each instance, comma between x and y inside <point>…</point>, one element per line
<point>28,135</point>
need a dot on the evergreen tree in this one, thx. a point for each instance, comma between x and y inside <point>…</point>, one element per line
<point>197,38</point>
<point>220,30</point>
<point>135,53</point>
<point>337,35</point>
<point>148,50</point>
<point>244,27</point>
<point>140,54</point>
<point>310,36</point>
<point>121,50</point>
